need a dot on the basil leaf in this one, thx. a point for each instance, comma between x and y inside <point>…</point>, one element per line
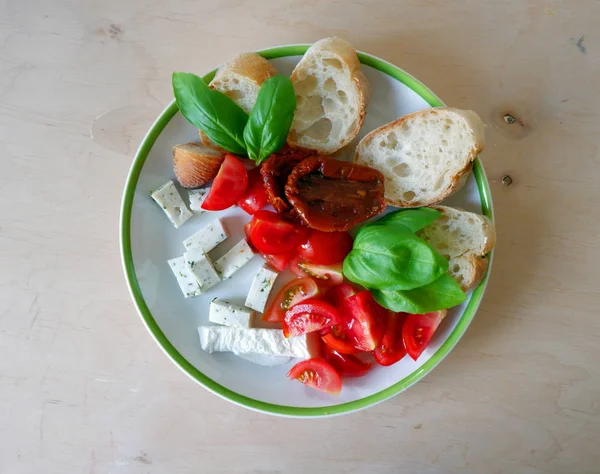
<point>271,118</point>
<point>443,293</point>
<point>392,258</point>
<point>214,113</point>
<point>413,219</point>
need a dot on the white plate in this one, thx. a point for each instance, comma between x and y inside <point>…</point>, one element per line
<point>148,240</point>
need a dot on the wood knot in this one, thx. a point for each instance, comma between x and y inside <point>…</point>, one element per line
<point>506,180</point>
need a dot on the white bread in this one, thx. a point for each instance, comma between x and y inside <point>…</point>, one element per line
<point>464,238</point>
<point>195,164</point>
<point>240,79</point>
<point>332,95</point>
<point>425,156</point>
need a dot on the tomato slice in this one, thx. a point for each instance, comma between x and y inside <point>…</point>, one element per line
<point>317,373</point>
<point>326,248</point>
<point>309,316</point>
<point>391,349</point>
<point>365,329</point>
<point>345,364</point>
<point>272,235</point>
<point>255,196</point>
<point>293,293</point>
<point>228,186</point>
<point>326,275</point>
<point>418,330</point>
<point>337,340</point>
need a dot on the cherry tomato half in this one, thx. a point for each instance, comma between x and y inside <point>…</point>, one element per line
<point>309,316</point>
<point>418,330</point>
<point>278,262</point>
<point>365,329</point>
<point>345,364</point>
<point>272,235</point>
<point>255,196</point>
<point>326,248</point>
<point>228,186</point>
<point>293,293</point>
<point>391,349</point>
<point>317,373</point>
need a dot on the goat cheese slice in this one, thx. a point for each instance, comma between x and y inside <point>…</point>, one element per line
<point>202,268</point>
<point>260,289</point>
<point>227,314</point>
<point>186,280</point>
<point>238,256</point>
<point>265,360</point>
<point>197,197</point>
<point>208,237</point>
<point>169,199</point>
<point>252,341</point>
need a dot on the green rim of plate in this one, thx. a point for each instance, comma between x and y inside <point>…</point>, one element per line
<point>193,372</point>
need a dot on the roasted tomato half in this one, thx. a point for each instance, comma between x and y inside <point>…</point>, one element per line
<point>275,172</point>
<point>333,195</point>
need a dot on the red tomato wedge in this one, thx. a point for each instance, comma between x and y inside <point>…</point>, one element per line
<point>326,248</point>
<point>337,339</point>
<point>228,186</point>
<point>309,316</point>
<point>340,293</point>
<point>391,349</point>
<point>293,293</point>
<point>278,262</point>
<point>255,196</point>
<point>272,235</point>
<point>345,364</point>
<point>326,275</point>
<point>317,373</point>
<point>365,329</point>
<point>418,330</point>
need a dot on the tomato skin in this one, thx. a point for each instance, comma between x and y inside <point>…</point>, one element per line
<point>317,373</point>
<point>293,293</point>
<point>272,235</point>
<point>278,262</point>
<point>391,348</point>
<point>325,248</point>
<point>336,339</point>
<point>366,327</point>
<point>309,316</point>
<point>228,186</point>
<point>346,365</point>
<point>255,196</point>
<point>418,330</point>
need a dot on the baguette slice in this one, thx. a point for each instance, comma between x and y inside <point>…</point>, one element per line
<point>240,79</point>
<point>464,238</point>
<point>332,95</point>
<point>425,156</point>
<point>196,164</point>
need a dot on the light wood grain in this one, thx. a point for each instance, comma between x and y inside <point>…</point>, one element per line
<point>83,388</point>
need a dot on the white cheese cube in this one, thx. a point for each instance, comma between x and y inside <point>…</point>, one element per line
<point>239,255</point>
<point>197,197</point>
<point>169,199</point>
<point>227,314</point>
<point>208,237</point>
<point>187,282</point>
<point>252,341</point>
<point>202,268</point>
<point>260,289</point>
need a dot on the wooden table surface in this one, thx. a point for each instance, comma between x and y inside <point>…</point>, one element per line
<point>83,387</point>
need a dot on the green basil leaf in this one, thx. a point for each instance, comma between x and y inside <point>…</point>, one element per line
<point>271,118</point>
<point>392,258</point>
<point>443,293</point>
<point>214,113</point>
<point>413,219</point>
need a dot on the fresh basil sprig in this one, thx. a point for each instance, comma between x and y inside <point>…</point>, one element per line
<point>392,258</point>
<point>214,113</point>
<point>441,294</point>
<point>402,271</point>
<point>271,118</point>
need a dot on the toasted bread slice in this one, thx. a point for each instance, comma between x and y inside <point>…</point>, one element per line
<point>464,238</point>
<point>196,164</point>
<point>240,79</point>
<point>332,95</point>
<point>425,156</point>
